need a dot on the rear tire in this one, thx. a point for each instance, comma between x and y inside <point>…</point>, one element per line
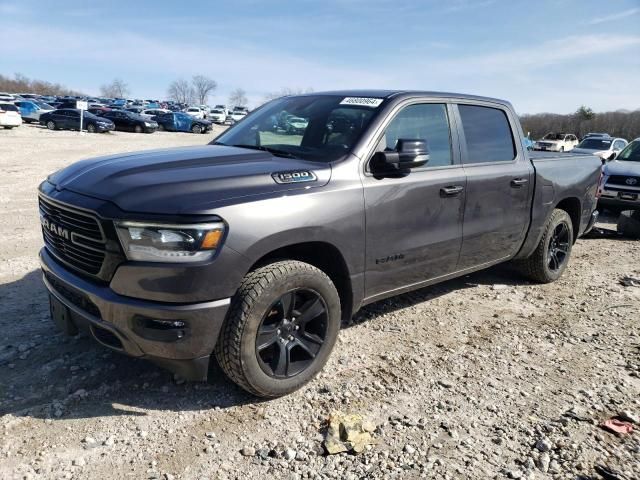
<point>551,257</point>
<point>51,125</point>
<point>291,350</point>
<point>629,224</point>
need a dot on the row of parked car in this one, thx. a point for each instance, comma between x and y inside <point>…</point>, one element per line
<point>601,144</point>
<point>102,115</point>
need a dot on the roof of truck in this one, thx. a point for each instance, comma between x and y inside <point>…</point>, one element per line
<point>395,93</point>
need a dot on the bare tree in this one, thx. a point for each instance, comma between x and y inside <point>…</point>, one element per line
<point>238,98</point>
<point>21,84</point>
<point>181,91</point>
<point>116,89</point>
<point>202,88</point>
<point>285,91</point>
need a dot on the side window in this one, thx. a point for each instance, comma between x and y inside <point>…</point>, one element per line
<point>487,133</point>
<point>426,121</point>
<point>618,145</point>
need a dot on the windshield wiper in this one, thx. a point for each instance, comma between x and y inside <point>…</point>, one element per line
<point>272,151</point>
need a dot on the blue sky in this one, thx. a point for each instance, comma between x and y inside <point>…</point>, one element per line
<point>547,56</point>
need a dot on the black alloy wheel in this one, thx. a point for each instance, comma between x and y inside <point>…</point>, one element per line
<point>558,250</point>
<point>291,333</point>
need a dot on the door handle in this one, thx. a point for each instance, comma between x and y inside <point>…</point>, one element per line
<point>518,182</point>
<point>451,191</point>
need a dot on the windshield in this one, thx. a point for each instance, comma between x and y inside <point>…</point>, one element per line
<point>554,136</point>
<point>595,144</point>
<point>631,153</point>
<point>312,127</point>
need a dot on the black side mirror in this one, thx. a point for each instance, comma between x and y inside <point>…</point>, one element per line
<point>409,153</point>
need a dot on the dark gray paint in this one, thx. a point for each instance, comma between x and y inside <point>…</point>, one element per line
<point>365,218</point>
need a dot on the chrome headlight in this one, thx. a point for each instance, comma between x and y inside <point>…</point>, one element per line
<point>158,242</point>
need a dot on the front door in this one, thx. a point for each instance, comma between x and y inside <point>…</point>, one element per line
<point>414,221</point>
<point>499,182</point>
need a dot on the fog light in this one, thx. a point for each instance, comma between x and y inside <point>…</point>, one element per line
<point>160,330</point>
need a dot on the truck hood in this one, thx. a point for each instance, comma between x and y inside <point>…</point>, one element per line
<point>184,180</point>
<point>622,167</point>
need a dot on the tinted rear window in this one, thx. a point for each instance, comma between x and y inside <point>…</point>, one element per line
<point>487,133</point>
<point>8,107</point>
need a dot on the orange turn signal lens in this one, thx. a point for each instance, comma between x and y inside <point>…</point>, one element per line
<point>211,240</point>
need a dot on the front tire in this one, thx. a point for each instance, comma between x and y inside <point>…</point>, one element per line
<point>196,129</point>
<point>281,328</point>
<point>91,128</point>
<point>138,129</point>
<point>51,125</point>
<point>551,257</point>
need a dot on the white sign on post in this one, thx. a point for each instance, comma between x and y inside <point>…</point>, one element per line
<point>81,105</point>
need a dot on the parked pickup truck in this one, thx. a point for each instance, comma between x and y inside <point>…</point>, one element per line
<point>253,249</point>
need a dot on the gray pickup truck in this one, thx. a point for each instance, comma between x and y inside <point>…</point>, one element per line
<point>253,249</point>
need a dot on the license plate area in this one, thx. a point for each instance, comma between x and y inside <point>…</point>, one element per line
<point>61,316</point>
<point>628,196</point>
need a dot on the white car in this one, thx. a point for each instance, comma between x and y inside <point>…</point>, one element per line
<point>237,115</point>
<point>152,112</point>
<point>217,115</point>
<point>604,147</point>
<point>195,112</point>
<point>7,97</point>
<point>9,116</point>
<point>557,142</point>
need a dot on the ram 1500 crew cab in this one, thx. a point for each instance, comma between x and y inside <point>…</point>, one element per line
<point>252,249</point>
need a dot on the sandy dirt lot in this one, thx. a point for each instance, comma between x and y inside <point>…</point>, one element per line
<point>487,376</point>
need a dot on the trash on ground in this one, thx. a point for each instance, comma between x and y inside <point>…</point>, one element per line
<point>630,282</point>
<point>616,425</point>
<point>609,474</point>
<point>348,433</point>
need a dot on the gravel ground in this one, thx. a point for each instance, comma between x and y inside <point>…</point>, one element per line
<point>487,376</point>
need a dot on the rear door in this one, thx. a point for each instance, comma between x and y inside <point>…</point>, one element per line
<point>414,221</point>
<point>73,119</point>
<point>499,181</point>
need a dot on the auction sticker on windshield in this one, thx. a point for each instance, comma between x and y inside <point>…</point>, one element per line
<point>362,101</point>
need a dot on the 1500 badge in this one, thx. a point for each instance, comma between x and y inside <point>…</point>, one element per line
<point>298,176</point>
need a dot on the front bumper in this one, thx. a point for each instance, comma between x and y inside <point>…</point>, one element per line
<point>139,327</point>
<point>104,128</point>
<point>620,198</point>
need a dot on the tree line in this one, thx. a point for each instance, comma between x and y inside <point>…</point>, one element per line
<point>200,88</point>
<point>621,123</point>
<point>22,84</point>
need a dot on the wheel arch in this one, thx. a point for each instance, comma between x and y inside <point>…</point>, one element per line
<point>323,255</point>
<point>573,207</point>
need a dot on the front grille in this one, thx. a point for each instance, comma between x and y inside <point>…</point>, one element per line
<point>73,236</point>
<point>622,180</point>
<point>78,299</point>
